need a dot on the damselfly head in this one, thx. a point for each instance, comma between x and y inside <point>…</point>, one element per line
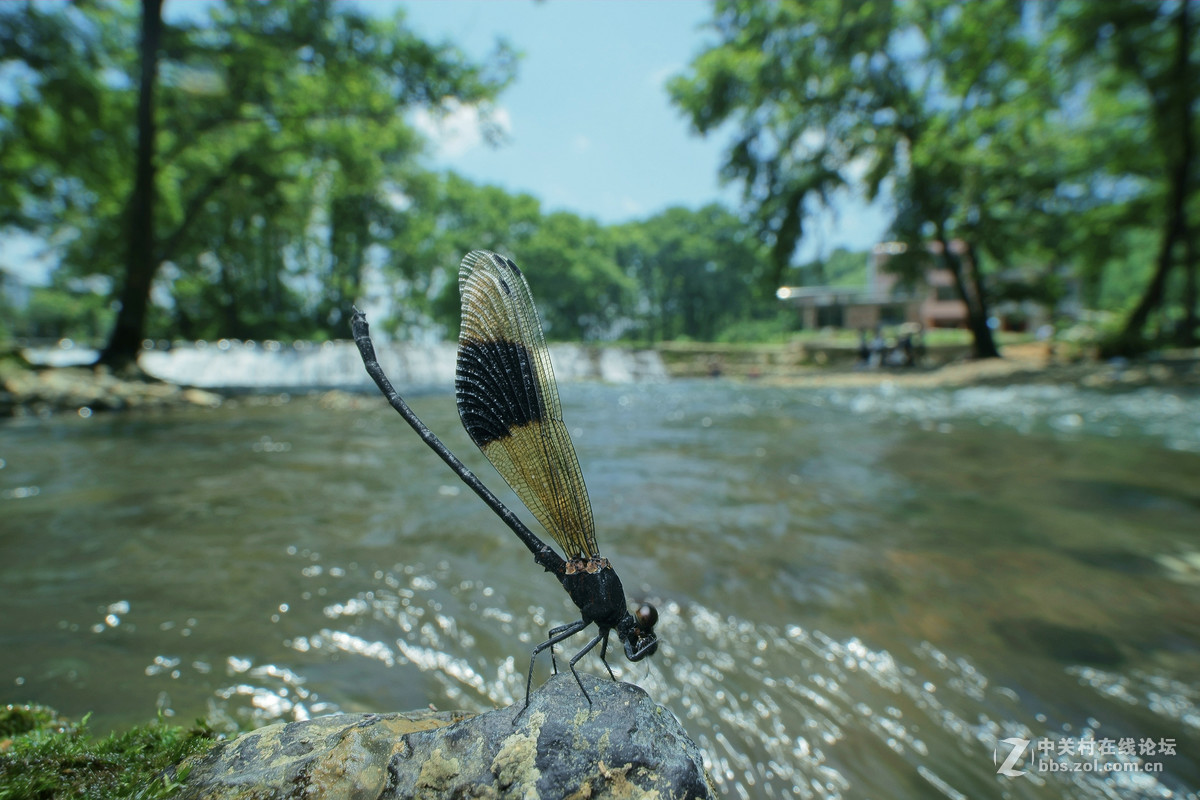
<point>636,632</point>
<point>646,617</point>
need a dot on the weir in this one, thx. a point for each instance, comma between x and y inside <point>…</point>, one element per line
<point>231,364</point>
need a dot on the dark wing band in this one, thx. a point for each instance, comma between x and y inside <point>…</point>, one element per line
<point>508,400</point>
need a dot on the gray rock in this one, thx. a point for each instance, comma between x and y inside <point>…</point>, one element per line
<point>622,746</point>
<point>49,389</point>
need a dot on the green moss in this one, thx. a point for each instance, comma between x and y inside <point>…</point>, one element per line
<point>15,720</point>
<point>43,757</point>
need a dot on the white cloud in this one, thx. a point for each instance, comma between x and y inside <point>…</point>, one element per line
<point>631,207</point>
<point>658,77</point>
<point>457,129</point>
<point>581,143</point>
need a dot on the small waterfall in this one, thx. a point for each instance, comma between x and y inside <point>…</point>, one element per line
<point>576,362</point>
<point>304,365</point>
<point>273,366</point>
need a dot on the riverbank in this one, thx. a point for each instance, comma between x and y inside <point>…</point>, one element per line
<point>948,366</point>
<point>1021,364</point>
<point>26,389</point>
<point>31,390</point>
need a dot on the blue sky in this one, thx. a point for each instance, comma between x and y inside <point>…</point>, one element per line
<point>590,128</point>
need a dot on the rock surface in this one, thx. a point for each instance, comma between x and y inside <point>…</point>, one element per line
<point>622,746</point>
<point>47,390</point>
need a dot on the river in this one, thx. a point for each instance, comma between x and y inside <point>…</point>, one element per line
<point>863,592</point>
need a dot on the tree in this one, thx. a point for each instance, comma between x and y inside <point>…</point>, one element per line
<point>926,102</point>
<point>60,311</point>
<point>271,124</point>
<point>140,266</point>
<point>1141,62</point>
<point>65,131</point>
<point>583,292</point>
<point>697,273</point>
<point>450,216</point>
<point>569,261</point>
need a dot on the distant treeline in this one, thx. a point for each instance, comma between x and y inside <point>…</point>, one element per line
<point>679,275</point>
<point>287,183</point>
<point>252,173</point>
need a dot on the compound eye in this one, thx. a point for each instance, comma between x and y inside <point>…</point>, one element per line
<point>646,616</point>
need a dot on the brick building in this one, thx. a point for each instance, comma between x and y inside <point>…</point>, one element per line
<point>931,301</point>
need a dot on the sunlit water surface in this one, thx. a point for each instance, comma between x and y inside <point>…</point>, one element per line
<point>862,591</point>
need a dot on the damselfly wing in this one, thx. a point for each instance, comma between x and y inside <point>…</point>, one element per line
<point>508,400</point>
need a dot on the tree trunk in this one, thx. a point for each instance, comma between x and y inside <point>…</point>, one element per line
<point>1153,296</point>
<point>1187,332</point>
<point>125,342</point>
<point>1179,171</point>
<point>230,309</point>
<point>969,282</point>
<point>985,344</point>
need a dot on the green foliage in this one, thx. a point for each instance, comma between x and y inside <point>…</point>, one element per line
<point>1142,64</point>
<point>698,272</point>
<point>679,274</point>
<point>282,149</point>
<point>842,267</point>
<point>828,94</point>
<point>57,312</point>
<point>7,311</point>
<point>67,132</point>
<point>46,757</point>
<point>755,331</point>
<point>1050,131</point>
<point>449,216</point>
<point>571,260</point>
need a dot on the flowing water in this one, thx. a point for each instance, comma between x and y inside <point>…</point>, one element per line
<point>862,592</point>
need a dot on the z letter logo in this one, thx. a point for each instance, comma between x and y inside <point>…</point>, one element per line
<point>1018,749</point>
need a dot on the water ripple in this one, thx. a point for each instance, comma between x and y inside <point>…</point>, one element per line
<point>1172,417</point>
